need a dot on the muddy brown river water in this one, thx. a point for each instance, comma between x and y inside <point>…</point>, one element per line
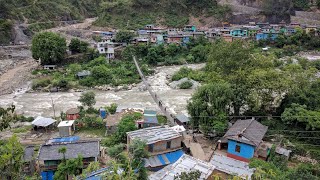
<point>34,104</point>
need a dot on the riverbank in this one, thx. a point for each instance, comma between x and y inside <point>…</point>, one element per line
<point>35,104</point>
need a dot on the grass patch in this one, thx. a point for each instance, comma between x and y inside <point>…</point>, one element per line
<point>21,129</point>
<point>100,132</point>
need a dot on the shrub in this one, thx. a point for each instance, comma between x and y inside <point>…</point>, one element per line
<point>92,122</point>
<point>40,83</point>
<point>114,151</point>
<point>88,81</point>
<point>182,73</point>
<point>186,85</point>
<point>112,108</point>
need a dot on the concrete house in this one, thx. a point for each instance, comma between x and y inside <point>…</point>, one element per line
<point>225,31</point>
<point>239,32</point>
<point>252,31</point>
<point>190,28</point>
<point>243,139</point>
<point>163,144</point>
<point>110,53</point>
<point>149,119</point>
<point>106,47</point>
<point>73,114</point>
<point>227,37</point>
<point>175,38</point>
<point>159,139</point>
<point>266,36</point>
<point>311,29</point>
<point>49,157</point>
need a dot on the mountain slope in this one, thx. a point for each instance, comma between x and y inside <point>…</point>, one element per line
<point>34,11</point>
<point>172,13</point>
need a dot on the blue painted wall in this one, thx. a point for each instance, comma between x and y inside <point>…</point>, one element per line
<point>265,36</point>
<point>47,175</point>
<point>246,150</point>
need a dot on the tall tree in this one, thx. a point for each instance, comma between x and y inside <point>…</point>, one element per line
<point>11,153</point>
<point>88,99</point>
<point>124,36</point>
<point>63,151</point>
<point>138,152</point>
<point>70,167</point>
<point>209,107</point>
<point>6,117</point>
<point>49,47</point>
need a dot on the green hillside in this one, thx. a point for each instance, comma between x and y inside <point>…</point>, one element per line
<point>112,13</point>
<point>34,11</point>
<point>172,13</point>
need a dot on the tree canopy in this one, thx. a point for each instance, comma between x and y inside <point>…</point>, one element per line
<point>124,36</point>
<point>49,47</point>
<point>88,98</point>
<point>11,154</point>
<point>77,46</point>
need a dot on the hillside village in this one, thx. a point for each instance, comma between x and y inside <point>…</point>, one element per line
<point>159,143</point>
<point>229,32</point>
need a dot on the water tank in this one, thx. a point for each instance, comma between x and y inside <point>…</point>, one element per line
<point>103,113</point>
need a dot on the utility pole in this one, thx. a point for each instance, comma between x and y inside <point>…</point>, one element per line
<point>54,111</point>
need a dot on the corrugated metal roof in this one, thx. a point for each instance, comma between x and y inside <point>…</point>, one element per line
<point>163,159</point>
<point>247,131</point>
<point>185,164</point>
<point>154,134</point>
<point>66,123</point>
<point>86,149</point>
<point>84,73</point>
<point>182,118</point>
<point>42,121</point>
<point>232,166</point>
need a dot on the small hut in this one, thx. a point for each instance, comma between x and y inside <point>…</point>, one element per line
<point>42,122</point>
<point>66,128</point>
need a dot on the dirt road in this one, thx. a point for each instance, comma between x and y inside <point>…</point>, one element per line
<point>17,76</point>
<point>16,61</point>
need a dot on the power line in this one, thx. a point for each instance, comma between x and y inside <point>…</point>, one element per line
<point>252,116</point>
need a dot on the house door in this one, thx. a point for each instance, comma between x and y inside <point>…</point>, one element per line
<point>150,147</point>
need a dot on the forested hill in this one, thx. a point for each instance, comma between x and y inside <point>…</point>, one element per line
<point>44,10</point>
<point>172,13</point>
<point>35,11</point>
<point>112,13</point>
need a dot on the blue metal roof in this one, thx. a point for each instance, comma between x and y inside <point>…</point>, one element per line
<point>163,159</point>
<point>151,119</point>
<point>64,139</point>
<point>174,156</point>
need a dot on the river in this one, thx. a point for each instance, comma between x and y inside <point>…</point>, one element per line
<point>35,104</point>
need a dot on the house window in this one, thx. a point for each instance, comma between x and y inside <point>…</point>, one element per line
<point>168,144</point>
<point>237,148</point>
<point>150,147</point>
